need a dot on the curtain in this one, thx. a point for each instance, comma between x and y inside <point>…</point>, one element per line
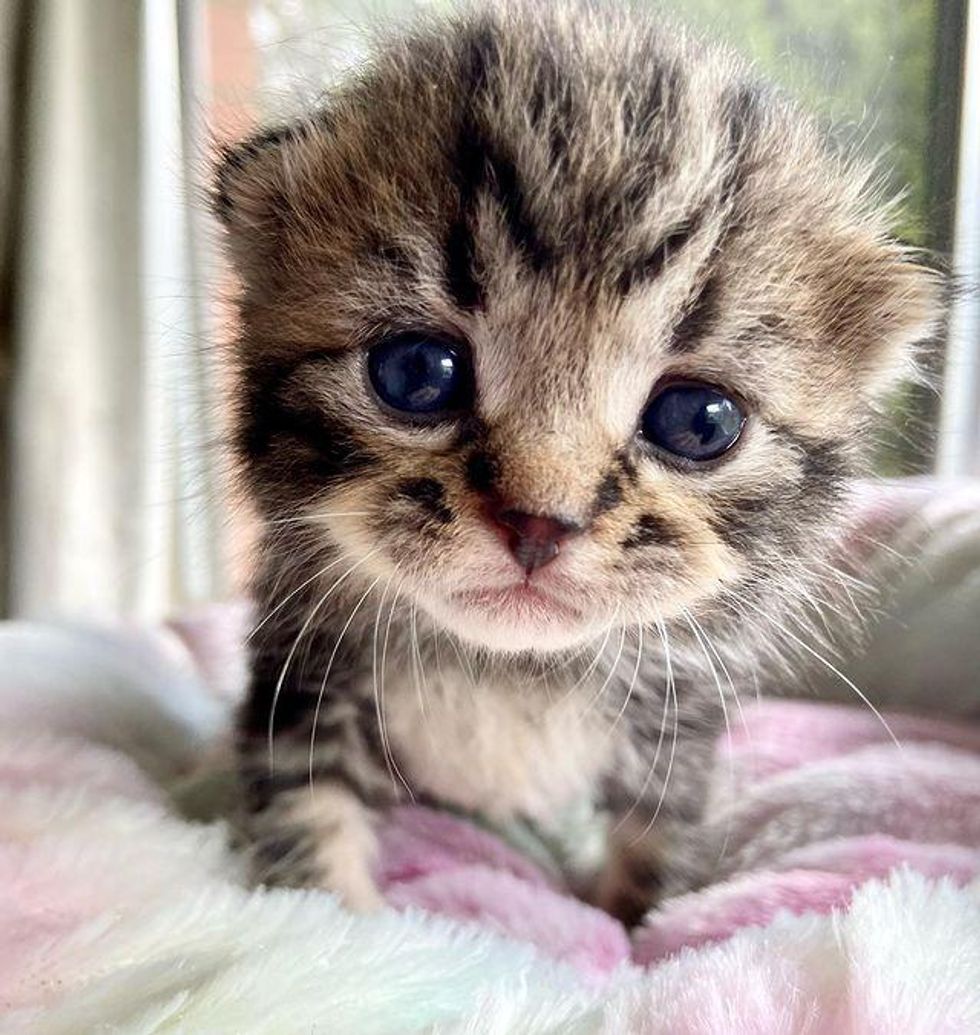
<point>112,482</point>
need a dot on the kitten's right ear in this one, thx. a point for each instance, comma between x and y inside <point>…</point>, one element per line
<point>249,192</point>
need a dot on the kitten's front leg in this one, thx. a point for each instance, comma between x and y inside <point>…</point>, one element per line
<point>316,830</point>
<point>321,837</point>
<point>653,847</point>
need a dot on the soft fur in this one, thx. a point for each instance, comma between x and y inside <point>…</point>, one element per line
<point>593,205</point>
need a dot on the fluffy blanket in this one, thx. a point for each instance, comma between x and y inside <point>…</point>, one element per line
<point>847,898</point>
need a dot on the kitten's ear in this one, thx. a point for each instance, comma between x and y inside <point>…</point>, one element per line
<point>887,303</point>
<point>249,192</point>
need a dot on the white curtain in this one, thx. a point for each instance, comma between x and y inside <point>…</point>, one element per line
<point>113,483</point>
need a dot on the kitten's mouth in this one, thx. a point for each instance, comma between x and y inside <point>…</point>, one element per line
<point>520,600</point>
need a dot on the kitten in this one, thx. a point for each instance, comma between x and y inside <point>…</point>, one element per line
<point>560,338</point>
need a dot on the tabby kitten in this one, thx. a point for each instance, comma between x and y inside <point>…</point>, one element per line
<point>560,337</point>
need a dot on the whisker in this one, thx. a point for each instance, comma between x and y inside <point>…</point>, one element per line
<point>672,690</point>
<point>374,673</point>
<point>845,576</point>
<point>879,544</point>
<point>830,667</point>
<point>632,684</point>
<point>702,640</point>
<point>417,666</point>
<point>292,650</point>
<point>661,629</point>
<point>703,637</point>
<point>463,662</point>
<point>386,743</point>
<point>289,596</point>
<point>594,664</point>
<point>326,674</point>
<point>313,519</point>
<point>598,695</point>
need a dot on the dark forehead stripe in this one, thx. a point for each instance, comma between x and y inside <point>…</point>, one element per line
<point>464,287</point>
<point>743,111</point>
<point>699,317</point>
<point>504,185</point>
<point>482,165</point>
<point>593,232</point>
<point>552,106</point>
<point>651,265</point>
<point>648,112</point>
<point>466,172</point>
<point>652,100</point>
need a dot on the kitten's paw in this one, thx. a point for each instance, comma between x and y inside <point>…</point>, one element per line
<point>319,838</point>
<point>631,882</point>
<point>357,892</point>
<point>348,875</point>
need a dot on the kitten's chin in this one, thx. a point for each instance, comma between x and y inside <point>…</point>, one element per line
<point>512,620</point>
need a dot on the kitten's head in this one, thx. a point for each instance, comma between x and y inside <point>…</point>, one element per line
<point>556,320</point>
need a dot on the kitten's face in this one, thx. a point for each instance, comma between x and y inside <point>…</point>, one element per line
<point>553,328</point>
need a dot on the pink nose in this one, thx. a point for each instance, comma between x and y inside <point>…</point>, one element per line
<point>534,539</point>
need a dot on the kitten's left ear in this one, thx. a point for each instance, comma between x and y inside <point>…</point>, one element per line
<point>250,186</point>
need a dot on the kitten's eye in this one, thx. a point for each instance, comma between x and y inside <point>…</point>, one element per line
<point>693,421</point>
<point>421,375</point>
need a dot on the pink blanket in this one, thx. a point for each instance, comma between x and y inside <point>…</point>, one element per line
<point>822,801</point>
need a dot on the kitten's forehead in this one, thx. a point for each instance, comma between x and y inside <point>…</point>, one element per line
<point>581,154</point>
<point>575,190</point>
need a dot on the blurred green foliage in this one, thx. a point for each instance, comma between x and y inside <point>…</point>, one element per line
<point>865,66</point>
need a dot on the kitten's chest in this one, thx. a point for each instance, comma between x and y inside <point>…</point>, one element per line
<point>494,746</point>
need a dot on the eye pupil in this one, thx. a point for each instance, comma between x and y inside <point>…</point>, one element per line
<point>696,422</point>
<point>422,376</point>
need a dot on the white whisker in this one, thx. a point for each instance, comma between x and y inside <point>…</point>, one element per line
<point>417,666</point>
<point>830,666</point>
<point>672,690</point>
<point>292,650</point>
<point>701,637</point>
<point>289,596</point>
<point>598,695</point>
<point>632,684</point>
<point>652,768</point>
<point>594,664</point>
<point>385,742</point>
<point>326,674</point>
<point>316,518</point>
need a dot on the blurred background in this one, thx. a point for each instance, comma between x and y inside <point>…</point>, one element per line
<point>114,486</point>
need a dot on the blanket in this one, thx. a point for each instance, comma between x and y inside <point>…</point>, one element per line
<point>846,900</point>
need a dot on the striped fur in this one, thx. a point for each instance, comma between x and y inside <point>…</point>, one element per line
<point>594,203</point>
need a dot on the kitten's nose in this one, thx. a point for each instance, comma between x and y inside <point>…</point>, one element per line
<point>534,539</point>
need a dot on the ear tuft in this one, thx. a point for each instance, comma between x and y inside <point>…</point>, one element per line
<point>906,313</point>
<point>244,171</point>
